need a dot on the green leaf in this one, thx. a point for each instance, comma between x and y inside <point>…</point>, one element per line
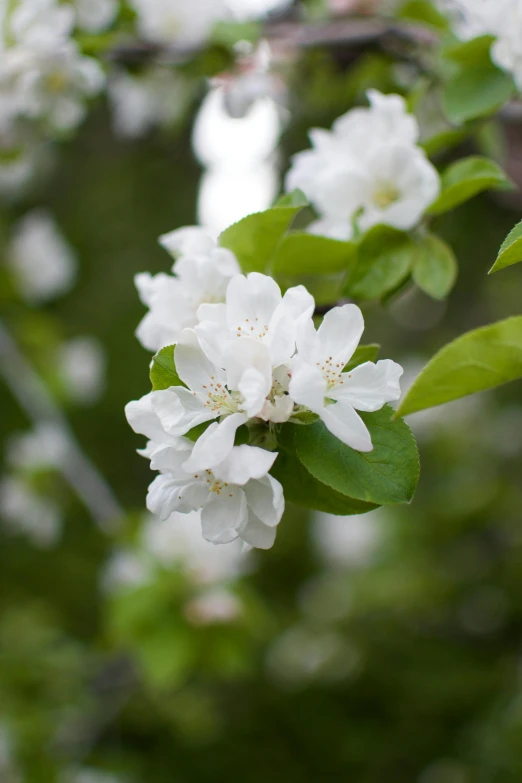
<point>383,262</point>
<point>386,475</point>
<point>465,179</point>
<point>443,141</point>
<point>476,361</point>
<point>425,12</point>
<point>307,254</point>
<point>476,92</point>
<point>511,250</point>
<point>305,491</point>
<point>163,373</point>
<point>255,238</point>
<point>363,353</point>
<point>296,198</point>
<point>474,52</point>
<point>434,267</point>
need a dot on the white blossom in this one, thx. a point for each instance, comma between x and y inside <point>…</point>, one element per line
<point>40,23</point>
<point>42,261</point>
<point>24,512</point>
<point>368,168</point>
<point>238,498</point>
<point>43,447</point>
<point>82,366</point>
<point>320,383</point>
<point>165,21</point>
<point>140,102</point>
<point>501,19</point>
<point>95,16</point>
<point>202,272</point>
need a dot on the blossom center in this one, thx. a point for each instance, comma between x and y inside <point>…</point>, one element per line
<point>218,398</point>
<point>385,195</point>
<point>252,327</point>
<point>332,371</point>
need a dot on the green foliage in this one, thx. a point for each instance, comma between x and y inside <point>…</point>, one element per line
<point>466,178</point>
<point>308,254</point>
<point>256,238</point>
<point>434,267</point>
<point>363,353</point>
<point>384,259</point>
<point>474,52</point>
<point>511,250</point>
<point>476,91</point>
<point>423,11</point>
<point>163,373</point>
<point>386,475</point>
<point>302,489</point>
<point>476,361</point>
<point>296,198</point>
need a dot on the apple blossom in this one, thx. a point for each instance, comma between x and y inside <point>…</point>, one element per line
<point>165,21</point>
<point>202,271</point>
<point>320,383</point>
<point>238,498</point>
<point>368,168</point>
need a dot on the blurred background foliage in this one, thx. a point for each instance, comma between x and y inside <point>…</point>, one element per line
<point>386,647</point>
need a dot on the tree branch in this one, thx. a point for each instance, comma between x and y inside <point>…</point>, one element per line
<point>33,397</point>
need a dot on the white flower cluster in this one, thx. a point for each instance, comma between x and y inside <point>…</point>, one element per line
<point>368,169</point>
<point>501,19</point>
<point>43,75</point>
<point>255,359</point>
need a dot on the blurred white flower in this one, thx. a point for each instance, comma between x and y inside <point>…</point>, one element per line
<point>217,605</point>
<point>89,775</point>
<point>26,513</point>
<point>95,16</point>
<point>501,19</point>
<point>82,368</point>
<point>254,9</point>
<point>165,21</point>
<point>346,541</point>
<point>43,447</point>
<point>43,262</point>
<point>302,655</point>
<point>39,23</point>
<point>125,569</point>
<point>155,97</point>
<point>178,541</point>
<point>202,272</point>
<point>369,168</point>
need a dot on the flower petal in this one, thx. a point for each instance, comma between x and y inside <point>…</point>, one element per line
<point>189,240</point>
<point>143,418</point>
<point>369,386</point>
<point>257,534</point>
<point>224,516</point>
<point>249,371</point>
<point>215,444</point>
<point>179,410</point>
<point>307,385</point>
<point>245,463</point>
<point>192,365</point>
<point>249,298</point>
<point>340,333</point>
<point>265,498</point>
<point>166,495</point>
<point>343,422</point>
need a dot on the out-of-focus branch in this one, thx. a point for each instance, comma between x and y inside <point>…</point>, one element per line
<point>287,38</point>
<point>33,397</point>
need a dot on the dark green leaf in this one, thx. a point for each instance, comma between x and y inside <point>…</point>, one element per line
<point>304,490</point>
<point>384,258</point>
<point>473,53</point>
<point>511,250</point>
<point>476,361</point>
<point>476,92</point>
<point>296,198</point>
<point>465,179</point>
<point>434,267</point>
<point>163,373</point>
<point>255,238</point>
<point>386,475</point>
<point>363,353</point>
<point>307,254</point>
